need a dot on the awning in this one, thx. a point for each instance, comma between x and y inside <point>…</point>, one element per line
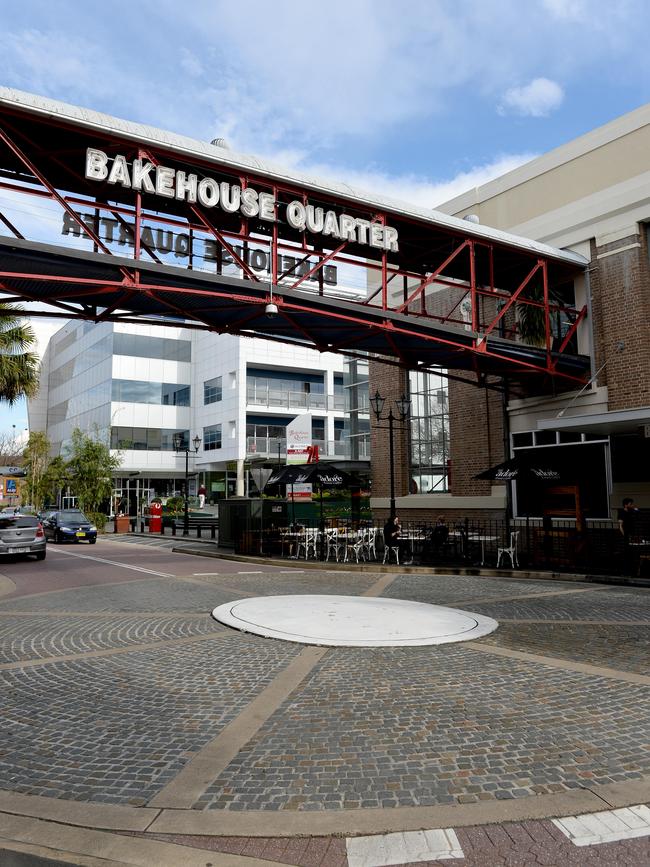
<point>617,421</point>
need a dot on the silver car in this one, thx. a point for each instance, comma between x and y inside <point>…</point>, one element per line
<point>22,534</point>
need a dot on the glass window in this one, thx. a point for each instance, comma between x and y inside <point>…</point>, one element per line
<point>521,440</point>
<point>429,432</point>
<point>545,437</point>
<point>212,437</point>
<point>161,393</point>
<point>139,346</point>
<point>146,439</point>
<point>212,391</point>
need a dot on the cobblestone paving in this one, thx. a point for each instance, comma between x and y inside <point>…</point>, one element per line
<point>24,638</point>
<point>607,605</point>
<point>451,589</point>
<point>389,727</point>
<point>150,594</point>
<point>117,729</point>
<point>625,648</point>
<point>275,584</point>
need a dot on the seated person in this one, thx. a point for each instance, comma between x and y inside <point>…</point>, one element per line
<point>392,532</point>
<point>439,534</point>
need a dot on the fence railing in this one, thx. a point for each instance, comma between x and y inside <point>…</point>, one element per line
<point>599,548</point>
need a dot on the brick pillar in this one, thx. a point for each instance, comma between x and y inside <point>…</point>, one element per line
<point>392,383</point>
<point>620,286</point>
<point>475,435</point>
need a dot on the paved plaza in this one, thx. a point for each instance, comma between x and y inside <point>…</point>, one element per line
<point>129,712</point>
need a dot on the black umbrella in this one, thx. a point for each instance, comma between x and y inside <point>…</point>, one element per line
<point>323,475</point>
<point>517,468</point>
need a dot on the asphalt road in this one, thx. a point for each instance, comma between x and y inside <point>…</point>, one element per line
<point>136,728</point>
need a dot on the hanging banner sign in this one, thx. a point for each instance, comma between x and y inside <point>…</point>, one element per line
<point>143,176</point>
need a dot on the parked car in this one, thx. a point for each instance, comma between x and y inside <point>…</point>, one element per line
<point>22,534</point>
<point>10,510</point>
<point>69,525</point>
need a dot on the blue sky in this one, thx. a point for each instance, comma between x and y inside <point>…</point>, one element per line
<point>418,100</point>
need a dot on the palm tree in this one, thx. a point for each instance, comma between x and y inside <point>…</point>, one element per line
<point>19,366</point>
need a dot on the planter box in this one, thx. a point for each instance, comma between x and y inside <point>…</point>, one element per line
<point>122,525</point>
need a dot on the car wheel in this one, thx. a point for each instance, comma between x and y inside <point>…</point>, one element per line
<point>41,555</point>
<point>91,541</point>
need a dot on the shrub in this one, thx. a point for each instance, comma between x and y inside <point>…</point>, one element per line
<point>98,519</point>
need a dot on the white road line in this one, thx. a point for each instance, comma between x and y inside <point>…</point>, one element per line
<point>607,826</point>
<point>114,563</point>
<point>204,573</point>
<point>259,572</point>
<point>403,848</point>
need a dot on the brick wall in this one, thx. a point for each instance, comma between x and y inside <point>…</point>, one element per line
<point>392,383</point>
<point>475,434</point>
<point>620,285</point>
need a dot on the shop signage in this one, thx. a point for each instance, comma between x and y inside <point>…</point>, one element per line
<point>299,492</point>
<point>143,176</point>
<point>299,439</point>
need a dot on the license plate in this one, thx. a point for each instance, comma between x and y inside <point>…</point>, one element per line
<point>80,533</point>
<point>19,550</point>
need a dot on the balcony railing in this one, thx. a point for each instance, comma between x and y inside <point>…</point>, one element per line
<point>270,447</point>
<point>281,399</point>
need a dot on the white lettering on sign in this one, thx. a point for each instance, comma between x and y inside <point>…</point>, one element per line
<point>188,187</point>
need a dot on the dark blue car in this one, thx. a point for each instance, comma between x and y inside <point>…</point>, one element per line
<point>69,525</point>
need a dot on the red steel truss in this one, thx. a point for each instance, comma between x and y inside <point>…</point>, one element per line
<point>448,298</point>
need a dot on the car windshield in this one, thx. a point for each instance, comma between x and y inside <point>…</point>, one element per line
<point>17,521</point>
<point>72,515</point>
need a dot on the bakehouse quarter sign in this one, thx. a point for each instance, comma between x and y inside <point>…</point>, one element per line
<point>170,183</point>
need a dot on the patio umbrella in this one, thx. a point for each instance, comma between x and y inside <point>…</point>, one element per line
<point>517,469</point>
<point>321,474</point>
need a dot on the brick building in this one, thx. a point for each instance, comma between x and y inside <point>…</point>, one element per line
<point>591,196</point>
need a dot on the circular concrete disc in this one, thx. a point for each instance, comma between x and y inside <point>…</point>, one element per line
<point>352,621</point>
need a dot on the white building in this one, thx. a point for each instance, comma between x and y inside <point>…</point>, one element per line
<point>136,386</point>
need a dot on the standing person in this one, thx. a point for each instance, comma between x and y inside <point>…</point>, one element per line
<point>627,519</point>
<point>440,534</point>
<point>202,493</point>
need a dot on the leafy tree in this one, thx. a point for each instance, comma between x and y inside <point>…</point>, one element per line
<point>54,479</point>
<point>36,460</point>
<point>19,367</point>
<point>90,468</point>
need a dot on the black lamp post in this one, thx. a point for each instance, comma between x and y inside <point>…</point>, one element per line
<point>181,445</point>
<point>403,406</point>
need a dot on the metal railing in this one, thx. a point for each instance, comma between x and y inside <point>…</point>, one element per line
<point>282,399</point>
<point>268,447</point>
<point>597,549</point>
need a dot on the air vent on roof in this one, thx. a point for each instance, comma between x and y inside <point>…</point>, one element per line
<point>220,143</point>
<point>472,218</point>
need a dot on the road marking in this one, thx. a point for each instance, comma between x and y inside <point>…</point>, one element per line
<point>403,848</point>
<point>115,563</point>
<point>204,573</point>
<point>259,572</point>
<point>608,826</point>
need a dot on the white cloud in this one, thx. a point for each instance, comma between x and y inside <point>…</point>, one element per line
<point>420,190</point>
<point>537,99</point>
<point>567,10</point>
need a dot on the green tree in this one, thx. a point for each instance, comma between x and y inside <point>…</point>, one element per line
<point>19,366</point>
<point>36,459</point>
<point>54,479</point>
<point>90,467</point>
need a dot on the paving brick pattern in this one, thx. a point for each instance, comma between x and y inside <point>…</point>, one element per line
<point>613,606</point>
<point>326,583</point>
<point>512,844</point>
<point>150,594</point>
<point>387,727</point>
<point>116,730</point>
<point>33,637</point>
<point>624,648</point>
<point>452,589</point>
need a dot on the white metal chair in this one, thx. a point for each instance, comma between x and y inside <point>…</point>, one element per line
<point>307,542</point>
<point>388,549</point>
<point>332,543</point>
<point>509,552</point>
<point>359,546</point>
<point>371,542</point>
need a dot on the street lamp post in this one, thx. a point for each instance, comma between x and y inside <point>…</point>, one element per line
<point>180,445</point>
<point>403,406</point>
